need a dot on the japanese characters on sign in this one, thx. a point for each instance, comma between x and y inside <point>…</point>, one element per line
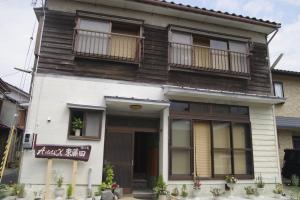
<point>63,152</point>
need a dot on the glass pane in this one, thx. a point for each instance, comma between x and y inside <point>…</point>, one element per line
<point>202,142</point>
<point>181,131</point>
<point>179,107</point>
<point>238,56</point>
<point>241,136</point>
<point>181,162</point>
<point>221,134</point>
<point>242,162</point>
<point>222,109</point>
<point>181,51</point>
<point>93,123</point>
<point>278,89</point>
<point>222,163</point>
<point>238,110</point>
<point>199,107</point>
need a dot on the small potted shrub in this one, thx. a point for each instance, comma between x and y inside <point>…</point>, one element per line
<point>230,182</point>
<point>295,180</point>
<point>160,189</point>
<point>184,192</point>
<point>250,192</point>
<point>19,191</point>
<point>278,190</point>
<point>77,125</point>
<point>4,191</point>
<point>89,195</point>
<point>175,193</point>
<point>98,193</point>
<point>197,187</point>
<point>59,191</point>
<point>260,185</point>
<point>37,195</point>
<point>69,192</point>
<point>216,192</point>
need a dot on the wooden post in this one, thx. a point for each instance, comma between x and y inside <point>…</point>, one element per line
<point>48,179</point>
<point>74,175</point>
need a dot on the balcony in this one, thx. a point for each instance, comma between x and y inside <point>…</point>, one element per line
<point>107,46</point>
<point>199,58</point>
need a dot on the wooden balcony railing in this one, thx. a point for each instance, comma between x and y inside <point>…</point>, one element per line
<point>203,58</point>
<point>111,46</point>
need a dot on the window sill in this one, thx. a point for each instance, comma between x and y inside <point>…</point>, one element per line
<point>83,138</point>
<point>217,178</point>
<point>212,72</point>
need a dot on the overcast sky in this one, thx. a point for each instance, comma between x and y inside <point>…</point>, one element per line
<point>17,22</point>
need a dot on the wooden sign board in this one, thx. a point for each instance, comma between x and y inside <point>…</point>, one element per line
<point>80,153</point>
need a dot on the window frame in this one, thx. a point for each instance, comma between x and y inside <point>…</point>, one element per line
<point>294,140</point>
<point>83,137</point>
<point>211,118</point>
<point>281,85</point>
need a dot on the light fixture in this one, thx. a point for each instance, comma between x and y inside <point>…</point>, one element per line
<point>135,107</point>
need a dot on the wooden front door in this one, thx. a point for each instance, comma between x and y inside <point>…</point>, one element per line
<point>119,153</point>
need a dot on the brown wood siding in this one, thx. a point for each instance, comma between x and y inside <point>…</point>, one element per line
<point>57,58</point>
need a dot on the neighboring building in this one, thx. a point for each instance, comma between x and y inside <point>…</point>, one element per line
<point>161,88</point>
<point>13,105</point>
<point>287,85</point>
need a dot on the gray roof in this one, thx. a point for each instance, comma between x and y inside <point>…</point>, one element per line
<point>285,72</point>
<point>288,122</point>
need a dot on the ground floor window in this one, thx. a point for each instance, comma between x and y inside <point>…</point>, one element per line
<point>210,143</point>
<point>85,124</point>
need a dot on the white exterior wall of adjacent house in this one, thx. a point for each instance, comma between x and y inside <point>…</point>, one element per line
<point>52,93</point>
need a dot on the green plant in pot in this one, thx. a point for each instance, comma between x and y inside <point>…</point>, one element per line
<point>278,190</point>
<point>295,180</point>
<point>260,185</point>
<point>4,191</point>
<point>160,189</point>
<point>59,190</point>
<point>37,195</point>
<point>175,193</point>
<point>250,192</point>
<point>184,192</point>
<point>19,191</point>
<point>217,193</point>
<point>69,192</point>
<point>98,193</point>
<point>77,125</point>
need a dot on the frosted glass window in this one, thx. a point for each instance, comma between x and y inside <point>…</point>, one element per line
<point>181,48</point>
<point>181,162</point>
<point>92,36</point>
<point>222,163</point>
<point>221,135</point>
<point>278,89</point>
<point>219,54</point>
<point>181,136</point>
<point>93,122</point>
<point>241,136</point>
<point>238,56</point>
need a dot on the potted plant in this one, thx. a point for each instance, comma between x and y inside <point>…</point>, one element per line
<point>69,192</point>
<point>216,192</point>
<point>250,192</point>
<point>230,182</point>
<point>184,192</point>
<point>260,185</point>
<point>295,180</point>
<point>278,190</point>
<point>98,193</point>
<point>196,187</point>
<point>175,193</point>
<point>89,195</point>
<point>59,191</point>
<point>37,195</point>
<point>160,189</point>
<point>77,125</point>
<point>4,191</point>
<point>19,191</point>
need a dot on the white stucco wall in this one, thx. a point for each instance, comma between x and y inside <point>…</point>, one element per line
<point>51,93</point>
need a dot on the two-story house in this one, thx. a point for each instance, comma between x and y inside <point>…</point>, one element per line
<point>286,85</point>
<point>161,89</point>
<point>13,108</point>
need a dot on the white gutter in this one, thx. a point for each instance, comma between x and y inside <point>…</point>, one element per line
<point>176,92</point>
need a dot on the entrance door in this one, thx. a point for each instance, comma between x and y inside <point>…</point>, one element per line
<point>119,153</point>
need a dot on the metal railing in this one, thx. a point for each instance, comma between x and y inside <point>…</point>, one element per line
<point>112,46</point>
<point>208,59</point>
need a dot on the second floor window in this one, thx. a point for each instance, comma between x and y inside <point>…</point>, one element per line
<point>278,89</point>
<point>106,39</point>
<point>200,52</point>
